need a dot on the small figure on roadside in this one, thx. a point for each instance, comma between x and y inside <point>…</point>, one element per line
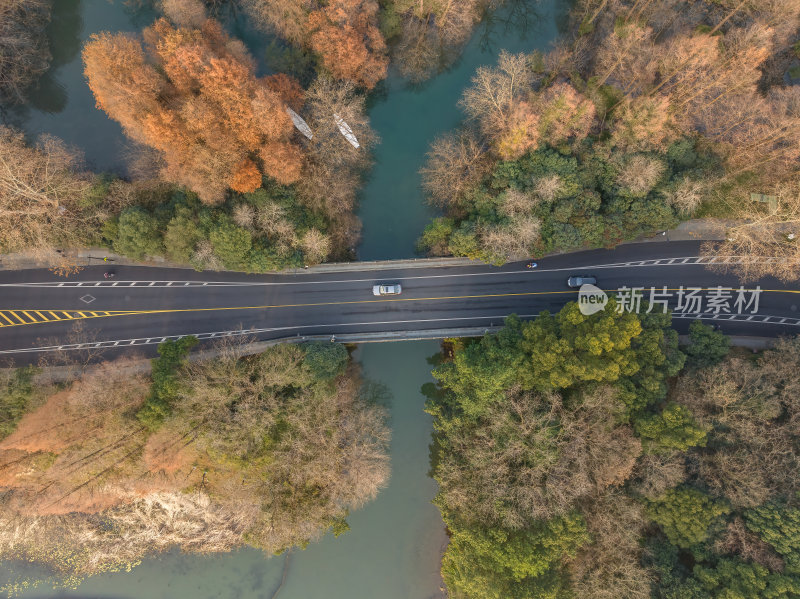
<point>108,275</point>
<point>333,338</point>
<point>531,265</point>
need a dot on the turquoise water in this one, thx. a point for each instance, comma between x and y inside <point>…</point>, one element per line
<point>393,548</point>
<point>408,119</point>
<point>391,551</point>
<point>61,104</point>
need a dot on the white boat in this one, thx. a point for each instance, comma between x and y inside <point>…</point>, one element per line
<point>346,131</point>
<point>299,123</point>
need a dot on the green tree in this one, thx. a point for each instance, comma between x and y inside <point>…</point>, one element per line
<point>137,234</point>
<point>165,384</point>
<point>464,242</point>
<point>325,360</point>
<point>707,347</point>
<point>231,244</point>
<point>778,525</point>
<point>673,429</point>
<point>481,372</point>
<point>570,347</point>
<point>436,236</point>
<point>735,579</point>
<point>658,357</point>
<point>685,515</point>
<point>181,237</point>
<point>16,392</point>
<point>497,563</point>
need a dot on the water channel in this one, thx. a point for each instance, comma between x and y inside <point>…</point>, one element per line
<point>393,547</point>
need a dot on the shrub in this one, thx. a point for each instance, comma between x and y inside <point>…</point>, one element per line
<point>674,428</point>
<point>685,515</point>
<point>231,244</point>
<point>325,360</point>
<point>137,234</point>
<point>165,385</point>
<point>707,347</point>
<point>16,392</point>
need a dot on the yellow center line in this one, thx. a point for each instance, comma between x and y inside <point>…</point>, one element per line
<point>7,318</point>
<point>353,302</point>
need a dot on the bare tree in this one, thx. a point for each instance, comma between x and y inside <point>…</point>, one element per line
<point>655,473</point>
<point>515,240</point>
<point>579,453</point>
<point>456,163</point>
<point>686,196</point>
<point>765,236</point>
<point>494,92</point>
<point>432,34</point>
<point>640,173</point>
<point>753,408</point>
<point>185,13</point>
<point>335,168</point>
<point>316,246</point>
<point>610,566</point>
<point>40,188</point>
<point>739,540</point>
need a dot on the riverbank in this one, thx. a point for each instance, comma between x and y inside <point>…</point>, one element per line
<point>393,547</point>
<point>692,230</point>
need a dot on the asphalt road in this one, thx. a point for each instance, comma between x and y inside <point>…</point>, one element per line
<point>141,305</point>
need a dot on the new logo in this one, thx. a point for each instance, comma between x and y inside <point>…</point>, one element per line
<point>591,299</point>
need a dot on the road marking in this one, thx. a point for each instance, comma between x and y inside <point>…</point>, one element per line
<point>71,316</point>
<point>256,331</point>
<point>45,316</point>
<point>240,332</point>
<point>695,261</point>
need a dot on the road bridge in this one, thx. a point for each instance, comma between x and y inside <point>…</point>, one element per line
<point>142,306</point>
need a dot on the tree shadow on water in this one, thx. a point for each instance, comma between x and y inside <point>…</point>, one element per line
<point>513,17</point>
<point>63,34</point>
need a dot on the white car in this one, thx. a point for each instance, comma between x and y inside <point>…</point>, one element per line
<point>390,289</point>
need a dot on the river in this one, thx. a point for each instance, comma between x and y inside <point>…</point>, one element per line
<point>393,547</point>
<point>391,550</point>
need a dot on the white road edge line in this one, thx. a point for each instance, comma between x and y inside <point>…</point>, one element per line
<point>241,332</point>
<point>699,261</point>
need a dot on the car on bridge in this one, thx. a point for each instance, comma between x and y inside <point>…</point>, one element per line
<point>387,289</point>
<point>580,280</point>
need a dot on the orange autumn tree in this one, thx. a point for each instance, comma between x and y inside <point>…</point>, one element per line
<point>192,94</point>
<point>345,34</point>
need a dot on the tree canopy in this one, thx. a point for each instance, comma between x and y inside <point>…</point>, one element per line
<point>580,456</point>
<point>269,450</point>
<point>191,94</point>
